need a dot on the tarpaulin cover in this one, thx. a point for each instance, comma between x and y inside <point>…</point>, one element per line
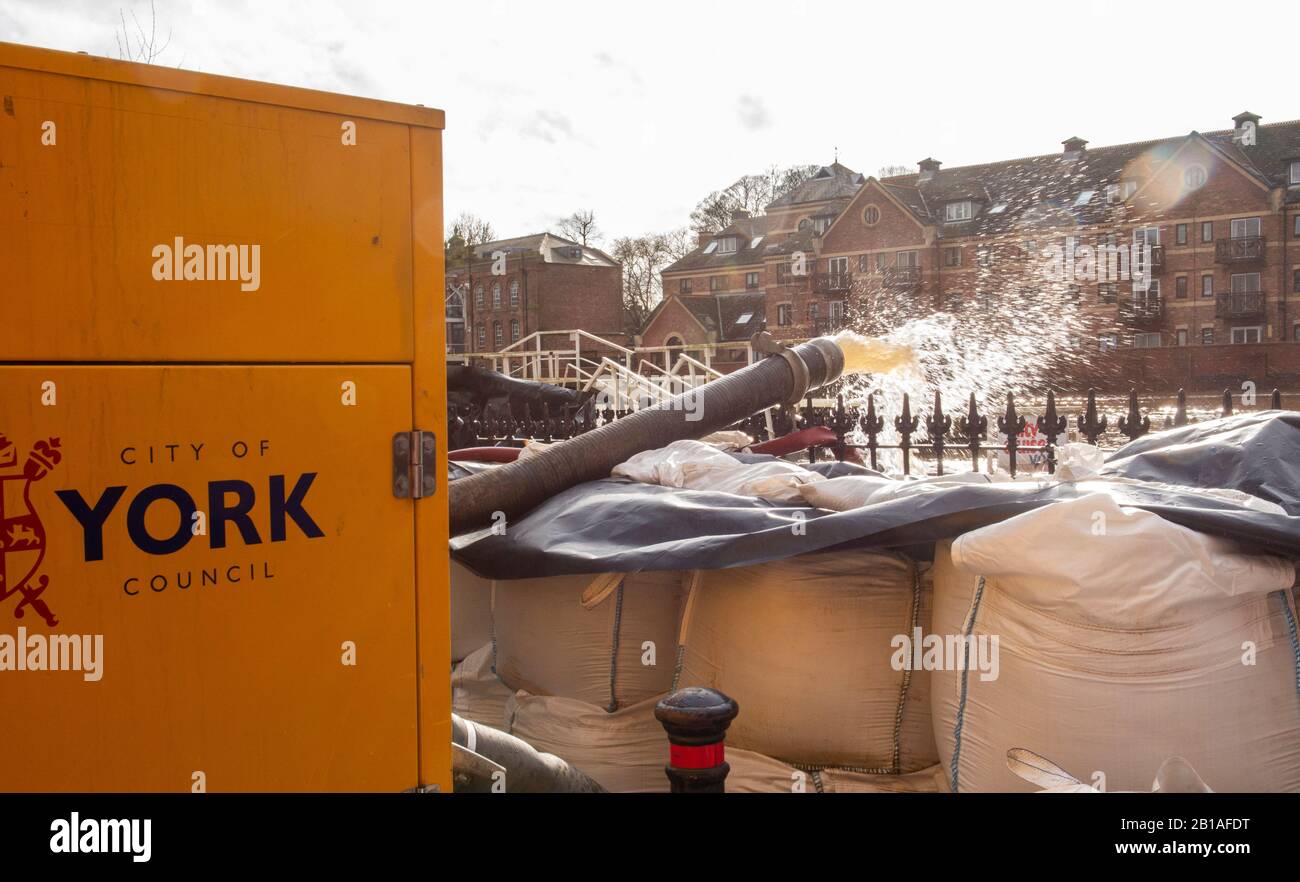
<point>616,525</point>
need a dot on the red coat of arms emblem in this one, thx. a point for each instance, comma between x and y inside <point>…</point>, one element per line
<point>22,536</point>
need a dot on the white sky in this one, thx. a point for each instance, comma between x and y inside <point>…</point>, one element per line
<point>638,109</point>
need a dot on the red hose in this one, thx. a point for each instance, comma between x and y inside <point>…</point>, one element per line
<point>815,436</point>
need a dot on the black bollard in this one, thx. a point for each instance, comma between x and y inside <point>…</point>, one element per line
<point>696,720</point>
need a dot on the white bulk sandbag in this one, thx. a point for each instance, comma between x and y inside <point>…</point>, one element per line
<point>693,465</point>
<point>607,640</point>
<point>927,780</point>
<point>471,611</point>
<point>1122,639</point>
<point>476,693</point>
<point>844,493</point>
<point>624,751</point>
<point>805,647</point>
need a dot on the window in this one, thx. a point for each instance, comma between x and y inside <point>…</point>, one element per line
<point>871,215</point>
<point>863,263</point>
<point>755,242</point>
<point>482,337</point>
<point>1294,176</point>
<point>813,310</point>
<point>880,262</point>
<point>478,296</point>
<point>1146,341</point>
<point>998,209</point>
<point>1295,281</point>
<point>1182,337</point>
<point>1194,177</point>
<point>1031,249</point>
<point>1106,292</point>
<point>751,280</point>
<point>958,211</point>
<point>1207,285</point>
<point>717,283</point>
<point>1245,283</point>
<point>1180,234</point>
<point>1207,231</point>
<point>1121,191</point>
<point>1247,334</point>
<point>1149,235</point>
<point>711,247</point>
<point>727,245</point>
<point>1245,227</point>
<point>684,286</point>
<point>821,223</point>
<point>1084,198</point>
<point>1207,335</point>
<point>1296,230</point>
<point>837,266</point>
<point>952,255</point>
<point>783,311</point>
<point>1180,288</point>
<point>1107,342</point>
<point>984,256</point>
<point>906,258</point>
<point>783,273</point>
<point>514,330</point>
<point>496,334</point>
<point>496,295</point>
<point>837,312</point>
<point>514,292</point>
<point>744,317</point>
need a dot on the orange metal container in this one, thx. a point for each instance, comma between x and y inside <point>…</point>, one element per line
<point>220,314</point>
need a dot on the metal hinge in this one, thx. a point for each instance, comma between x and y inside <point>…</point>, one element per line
<point>415,464</point>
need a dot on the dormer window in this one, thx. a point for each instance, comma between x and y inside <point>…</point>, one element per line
<point>822,223</point>
<point>1116,193</point>
<point>711,247</point>
<point>727,245</point>
<point>958,211</point>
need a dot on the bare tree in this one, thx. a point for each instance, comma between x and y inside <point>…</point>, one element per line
<point>467,231</point>
<point>643,259</point>
<point>581,227</point>
<point>892,171</point>
<point>135,42</point>
<point>750,193</point>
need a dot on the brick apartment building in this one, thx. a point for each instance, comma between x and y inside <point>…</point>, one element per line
<point>500,292</point>
<point>1220,212</point>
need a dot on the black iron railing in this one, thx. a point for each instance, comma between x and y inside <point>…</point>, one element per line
<point>1239,304</point>
<point>860,432</point>
<point>1239,249</point>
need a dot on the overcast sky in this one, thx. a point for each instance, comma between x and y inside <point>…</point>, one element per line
<point>638,109</point>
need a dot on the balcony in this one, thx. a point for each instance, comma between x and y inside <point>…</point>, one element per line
<point>902,277</point>
<point>826,327</point>
<point>1142,313</point>
<point>1239,249</point>
<point>829,283</point>
<point>1239,305</point>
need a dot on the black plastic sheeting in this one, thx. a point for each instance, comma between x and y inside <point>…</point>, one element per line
<point>617,525</point>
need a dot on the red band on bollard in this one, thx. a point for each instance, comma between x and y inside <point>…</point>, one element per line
<point>707,756</point>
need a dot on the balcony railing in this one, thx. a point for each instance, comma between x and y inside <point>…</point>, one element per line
<point>1142,313</point>
<point>826,283</point>
<point>1239,304</point>
<point>1239,249</point>
<point>902,276</point>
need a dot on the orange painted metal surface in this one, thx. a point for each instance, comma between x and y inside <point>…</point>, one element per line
<point>196,472</point>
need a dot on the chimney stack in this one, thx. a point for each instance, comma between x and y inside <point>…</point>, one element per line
<point>739,215</point>
<point>703,239</point>
<point>928,168</point>
<point>1244,130</point>
<point>1074,147</point>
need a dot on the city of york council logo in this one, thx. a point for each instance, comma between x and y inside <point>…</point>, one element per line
<point>22,536</point>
